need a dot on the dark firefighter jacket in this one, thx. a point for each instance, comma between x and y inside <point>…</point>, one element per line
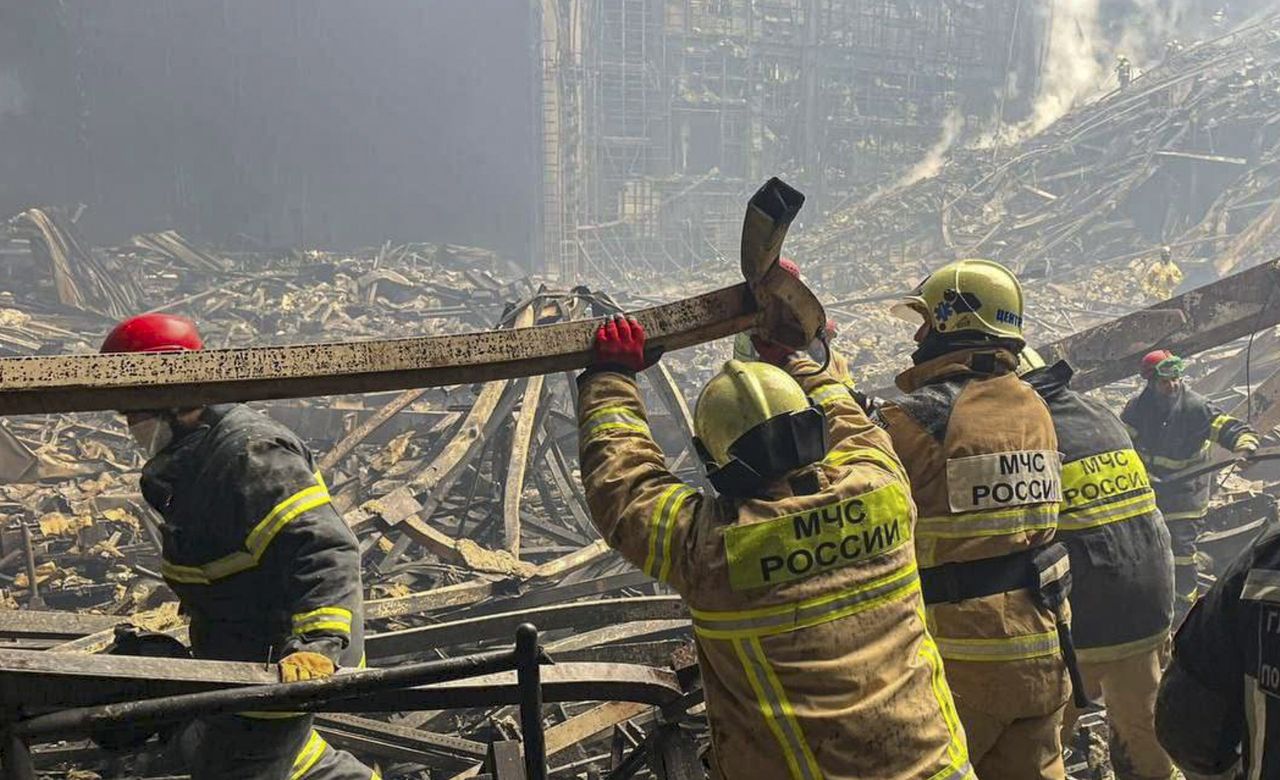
<point>260,560</point>
<point>1121,561</point>
<point>1221,693</point>
<point>1174,436</point>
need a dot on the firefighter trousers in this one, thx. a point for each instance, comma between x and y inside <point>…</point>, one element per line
<point>1183,529</point>
<point>1128,686</point>
<point>1012,716</point>
<point>232,747</point>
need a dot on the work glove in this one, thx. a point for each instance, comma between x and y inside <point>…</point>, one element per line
<point>303,665</point>
<point>1247,447</point>
<point>620,344</point>
<point>771,352</point>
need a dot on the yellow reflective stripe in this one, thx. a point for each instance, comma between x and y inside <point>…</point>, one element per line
<point>1215,427</point>
<point>998,523</point>
<point>878,457</point>
<point>777,710</point>
<point>1248,437</point>
<point>268,715</point>
<point>257,542</point>
<point>958,766</point>
<point>1184,560</point>
<point>783,618</point>
<point>662,527</point>
<point>324,618</point>
<point>1174,464</point>
<point>1098,515</point>
<point>669,532</point>
<point>309,755</point>
<point>830,393</point>
<point>1194,514</point>
<point>283,514</point>
<point>1012,648</point>
<point>612,418</point>
<point>1109,653</point>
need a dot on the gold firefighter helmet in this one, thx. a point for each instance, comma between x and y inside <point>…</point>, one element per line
<point>753,425</point>
<point>974,296</point>
<point>1029,360</point>
<point>740,397</point>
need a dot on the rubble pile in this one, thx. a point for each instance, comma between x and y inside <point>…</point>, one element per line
<point>466,500</point>
<point>1187,156</point>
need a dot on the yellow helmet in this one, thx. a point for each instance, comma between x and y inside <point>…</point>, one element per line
<point>739,398</point>
<point>1029,360</point>
<point>975,296</point>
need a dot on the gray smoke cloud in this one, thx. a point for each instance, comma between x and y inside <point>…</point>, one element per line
<point>13,98</point>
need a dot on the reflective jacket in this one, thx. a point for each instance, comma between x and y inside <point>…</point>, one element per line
<point>982,456</point>
<point>806,602</point>
<point>1121,561</point>
<point>258,557</point>
<point>1179,435</point>
<point>1220,696</point>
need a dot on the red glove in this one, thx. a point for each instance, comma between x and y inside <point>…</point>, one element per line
<point>620,343</point>
<point>772,352</point>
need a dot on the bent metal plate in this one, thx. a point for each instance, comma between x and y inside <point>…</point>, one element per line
<point>1003,480</point>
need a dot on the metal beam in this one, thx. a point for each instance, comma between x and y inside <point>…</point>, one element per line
<point>581,616</point>
<point>79,383</point>
<point>362,431</point>
<point>770,299</point>
<point>28,625</point>
<point>43,681</point>
<point>1205,317</point>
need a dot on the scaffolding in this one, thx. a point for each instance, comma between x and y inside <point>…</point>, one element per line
<point>660,116</point>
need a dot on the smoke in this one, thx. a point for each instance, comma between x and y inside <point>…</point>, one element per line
<point>1086,37</point>
<point>13,98</point>
<point>1074,67</point>
<point>931,164</point>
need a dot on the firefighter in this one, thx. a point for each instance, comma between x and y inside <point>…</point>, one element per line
<point>1121,568</point>
<point>1174,428</point>
<point>982,457</point>
<point>799,572</point>
<point>264,567</point>
<point>1219,705</point>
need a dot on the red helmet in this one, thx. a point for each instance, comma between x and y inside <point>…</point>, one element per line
<point>153,333</point>
<point>1153,359</point>
<point>789,266</point>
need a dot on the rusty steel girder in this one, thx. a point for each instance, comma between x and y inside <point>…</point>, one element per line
<point>770,299</point>
<point>1205,317</point>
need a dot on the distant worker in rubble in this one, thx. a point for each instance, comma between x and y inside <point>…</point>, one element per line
<point>261,562</point>
<point>747,346</point>
<point>1175,428</point>
<point>982,456</point>
<point>1162,277</point>
<point>799,572</point>
<point>1124,71</point>
<point>1218,713</point>
<point>1121,568</point>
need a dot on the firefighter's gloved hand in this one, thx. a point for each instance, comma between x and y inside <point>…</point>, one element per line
<point>1247,447</point>
<point>620,343</point>
<point>303,665</point>
<point>772,352</point>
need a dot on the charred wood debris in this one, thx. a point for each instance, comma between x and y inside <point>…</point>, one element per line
<point>466,500</point>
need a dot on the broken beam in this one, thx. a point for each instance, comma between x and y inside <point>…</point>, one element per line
<point>77,383</point>
<point>581,616</point>
<point>1205,317</point>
